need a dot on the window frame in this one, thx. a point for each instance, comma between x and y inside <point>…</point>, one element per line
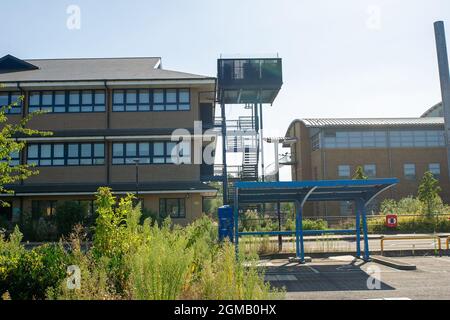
<point>436,175</point>
<point>15,159</point>
<point>66,158</point>
<point>409,176</point>
<point>374,170</point>
<point>67,105</point>
<point>339,171</point>
<point>164,159</point>
<point>19,102</point>
<point>181,214</point>
<point>151,92</point>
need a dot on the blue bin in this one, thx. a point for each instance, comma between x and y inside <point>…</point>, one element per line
<point>226,223</point>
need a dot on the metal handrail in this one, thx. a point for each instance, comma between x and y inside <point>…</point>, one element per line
<point>383,239</point>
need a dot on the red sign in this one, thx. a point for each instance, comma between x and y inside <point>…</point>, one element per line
<point>391,221</point>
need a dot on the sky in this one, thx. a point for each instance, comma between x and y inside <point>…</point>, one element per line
<point>347,58</point>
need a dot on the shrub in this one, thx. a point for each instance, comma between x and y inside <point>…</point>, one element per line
<point>150,214</point>
<point>44,229</point>
<point>308,224</point>
<point>94,278</point>
<point>130,260</point>
<point>406,224</point>
<point>225,279</point>
<point>68,214</point>
<point>160,266</point>
<point>250,220</point>
<point>37,271</point>
<point>10,252</point>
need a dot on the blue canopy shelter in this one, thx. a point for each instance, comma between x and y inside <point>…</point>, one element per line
<point>361,192</point>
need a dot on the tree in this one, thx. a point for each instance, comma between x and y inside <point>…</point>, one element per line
<point>68,214</point>
<point>9,145</point>
<point>359,174</point>
<point>428,192</point>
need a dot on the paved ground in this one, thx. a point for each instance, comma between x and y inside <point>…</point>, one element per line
<point>344,278</point>
<point>348,244</point>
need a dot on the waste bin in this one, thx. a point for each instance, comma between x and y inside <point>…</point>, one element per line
<point>226,223</point>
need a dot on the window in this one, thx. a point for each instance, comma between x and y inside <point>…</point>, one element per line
<point>160,152</point>
<point>345,208</point>
<point>435,169</point>
<point>133,100</point>
<point>417,138</point>
<point>127,153</point>
<point>42,208</point>
<point>175,208</point>
<point>409,171</point>
<point>370,170</point>
<point>355,139</point>
<point>315,142</point>
<point>71,154</point>
<point>46,154</point>
<point>85,154</point>
<point>68,101</point>
<point>14,159</point>
<point>6,212</point>
<point>344,171</point>
<point>379,139</point>
<point>9,98</point>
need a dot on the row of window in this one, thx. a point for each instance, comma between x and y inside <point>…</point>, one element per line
<point>80,154</point>
<point>151,100</point>
<point>67,101</point>
<point>370,170</point>
<point>74,101</point>
<point>66,154</point>
<point>151,152</point>
<point>173,207</point>
<point>378,139</point>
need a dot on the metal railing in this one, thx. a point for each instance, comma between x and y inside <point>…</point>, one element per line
<point>400,238</point>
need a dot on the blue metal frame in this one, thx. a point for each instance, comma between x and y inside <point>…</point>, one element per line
<point>362,192</point>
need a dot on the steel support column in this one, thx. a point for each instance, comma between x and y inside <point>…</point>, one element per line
<point>299,246</point>
<point>236,221</point>
<point>358,204</point>
<point>224,155</point>
<point>366,238</point>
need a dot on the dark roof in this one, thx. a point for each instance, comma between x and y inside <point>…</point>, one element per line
<point>88,69</point>
<point>117,187</point>
<point>9,63</point>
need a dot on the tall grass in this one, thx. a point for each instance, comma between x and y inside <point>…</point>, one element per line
<point>134,260</point>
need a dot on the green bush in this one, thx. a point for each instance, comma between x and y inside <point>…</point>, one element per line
<point>10,252</point>
<point>308,224</point>
<point>37,271</point>
<point>131,260</point>
<point>68,214</point>
<point>406,224</point>
<point>250,220</point>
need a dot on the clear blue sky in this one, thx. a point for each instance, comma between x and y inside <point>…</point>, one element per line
<point>347,58</point>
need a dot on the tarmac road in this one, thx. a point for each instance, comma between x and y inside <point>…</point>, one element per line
<point>342,278</point>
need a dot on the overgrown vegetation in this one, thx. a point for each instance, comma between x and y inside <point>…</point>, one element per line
<point>411,224</point>
<point>133,260</point>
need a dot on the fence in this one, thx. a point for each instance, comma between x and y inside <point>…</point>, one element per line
<point>270,218</point>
